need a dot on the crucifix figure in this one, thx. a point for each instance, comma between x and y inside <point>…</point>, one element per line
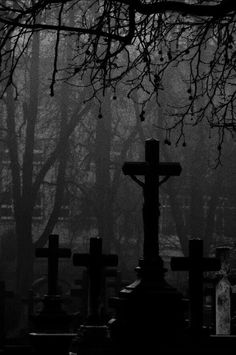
<point>152,169</point>
<point>53,253</point>
<point>196,264</point>
<point>96,262</point>
<point>149,307</point>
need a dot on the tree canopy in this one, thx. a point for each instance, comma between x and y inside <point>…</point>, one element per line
<point>136,43</point>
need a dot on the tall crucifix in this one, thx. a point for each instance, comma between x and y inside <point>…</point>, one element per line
<point>152,169</point>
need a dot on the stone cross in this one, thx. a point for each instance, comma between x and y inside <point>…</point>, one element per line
<point>196,264</point>
<point>96,262</point>
<point>53,253</point>
<point>151,169</point>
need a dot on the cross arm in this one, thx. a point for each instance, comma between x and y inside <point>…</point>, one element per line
<point>203,264</point>
<point>144,168</point>
<point>133,168</point>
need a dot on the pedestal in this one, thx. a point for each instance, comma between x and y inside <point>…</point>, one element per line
<point>52,318</point>
<point>51,328</point>
<point>92,339</point>
<point>51,343</point>
<point>149,311</point>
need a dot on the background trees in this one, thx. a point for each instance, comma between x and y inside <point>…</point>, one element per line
<point>114,37</point>
<point>65,65</point>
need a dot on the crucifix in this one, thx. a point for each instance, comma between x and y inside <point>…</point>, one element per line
<point>196,264</point>
<point>53,253</point>
<point>96,262</point>
<point>152,169</point>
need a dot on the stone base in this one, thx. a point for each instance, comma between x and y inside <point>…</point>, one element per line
<point>52,318</point>
<point>54,343</point>
<point>92,339</point>
<point>149,311</point>
<point>95,333</point>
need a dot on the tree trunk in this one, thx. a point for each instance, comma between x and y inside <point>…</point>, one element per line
<point>24,207</point>
<point>104,207</point>
<point>25,258</point>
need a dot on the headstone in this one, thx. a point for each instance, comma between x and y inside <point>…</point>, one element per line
<point>149,307</point>
<point>196,264</point>
<point>53,253</point>
<point>9,344</point>
<point>93,335</point>
<point>112,285</point>
<point>223,294</point>
<point>96,263</point>
<point>51,327</point>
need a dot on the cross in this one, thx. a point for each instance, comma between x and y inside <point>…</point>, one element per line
<point>53,253</point>
<point>96,262</point>
<point>196,264</point>
<point>151,169</point>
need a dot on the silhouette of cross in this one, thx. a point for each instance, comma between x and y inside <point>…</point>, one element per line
<point>151,169</point>
<point>53,253</point>
<point>95,261</point>
<point>196,264</point>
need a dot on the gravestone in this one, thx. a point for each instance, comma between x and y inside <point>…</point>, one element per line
<point>196,264</point>
<point>10,344</point>
<point>51,327</point>
<point>223,294</point>
<point>53,253</point>
<point>52,317</point>
<point>96,263</point>
<point>149,307</point>
<point>93,334</point>
<point>112,285</point>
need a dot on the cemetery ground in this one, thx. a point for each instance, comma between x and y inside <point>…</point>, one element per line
<point>16,340</point>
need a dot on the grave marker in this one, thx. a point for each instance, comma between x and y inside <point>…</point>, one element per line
<point>149,307</point>
<point>50,333</point>
<point>196,264</point>
<point>152,169</point>
<point>223,294</point>
<point>95,262</point>
<point>53,253</point>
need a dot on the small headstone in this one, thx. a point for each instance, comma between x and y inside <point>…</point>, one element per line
<point>93,335</point>
<point>96,263</point>
<point>52,317</point>
<point>223,294</point>
<point>53,253</point>
<point>51,327</point>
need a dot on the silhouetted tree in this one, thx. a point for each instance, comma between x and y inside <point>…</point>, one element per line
<point>23,129</point>
<point>114,37</point>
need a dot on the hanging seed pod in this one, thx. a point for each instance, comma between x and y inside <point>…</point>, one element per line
<point>167,142</point>
<point>142,116</point>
